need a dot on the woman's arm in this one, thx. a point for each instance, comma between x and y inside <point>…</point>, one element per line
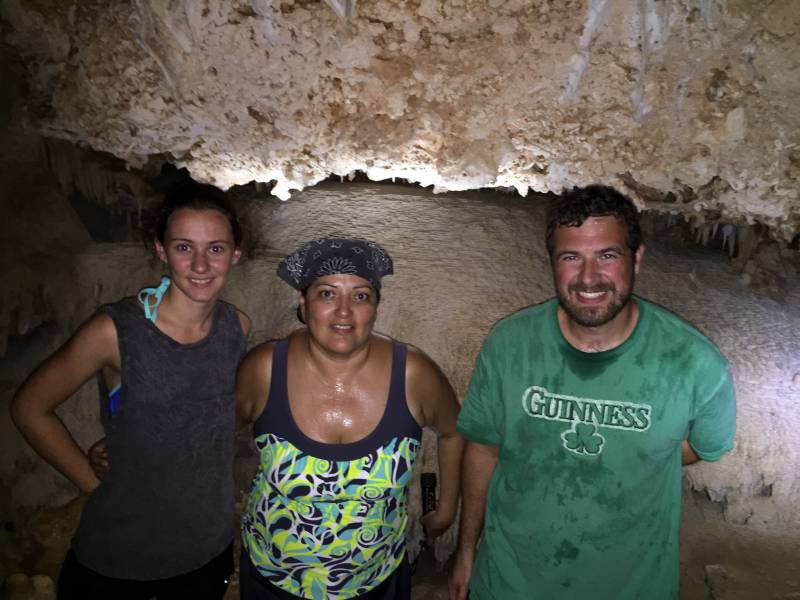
<point>93,347</point>
<point>433,402</point>
<point>252,384</point>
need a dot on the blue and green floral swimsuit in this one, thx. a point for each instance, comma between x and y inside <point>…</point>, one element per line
<point>328,521</point>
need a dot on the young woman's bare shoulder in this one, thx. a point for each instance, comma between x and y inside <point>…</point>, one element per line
<point>97,337</point>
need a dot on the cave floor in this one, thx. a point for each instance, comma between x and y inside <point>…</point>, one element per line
<point>719,560</point>
<point>725,561</point>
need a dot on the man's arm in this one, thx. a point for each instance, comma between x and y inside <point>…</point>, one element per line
<point>688,455</point>
<point>91,348</point>
<point>713,427</point>
<point>476,472</point>
<point>434,405</point>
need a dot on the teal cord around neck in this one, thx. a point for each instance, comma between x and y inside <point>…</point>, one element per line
<point>151,312</point>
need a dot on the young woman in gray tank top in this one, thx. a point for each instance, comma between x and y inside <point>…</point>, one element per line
<point>160,523</point>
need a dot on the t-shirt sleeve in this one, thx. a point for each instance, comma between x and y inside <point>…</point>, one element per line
<point>712,431</point>
<point>482,417</point>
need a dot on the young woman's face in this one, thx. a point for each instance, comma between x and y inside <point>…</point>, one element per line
<point>199,251</point>
<point>340,311</point>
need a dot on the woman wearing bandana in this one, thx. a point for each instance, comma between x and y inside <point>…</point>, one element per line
<point>160,524</point>
<point>337,412</point>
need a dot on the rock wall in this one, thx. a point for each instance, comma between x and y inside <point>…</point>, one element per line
<point>690,104</point>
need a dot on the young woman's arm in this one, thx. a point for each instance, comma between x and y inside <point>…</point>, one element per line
<point>93,347</point>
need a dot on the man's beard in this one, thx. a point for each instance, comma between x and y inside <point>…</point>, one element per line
<point>594,316</point>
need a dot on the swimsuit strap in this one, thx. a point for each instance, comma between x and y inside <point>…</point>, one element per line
<point>157,294</point>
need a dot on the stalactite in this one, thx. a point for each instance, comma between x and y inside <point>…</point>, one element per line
<point>579,60</point>
<point>96,177</point>
<point>729,238</point>
<point>705,233</point>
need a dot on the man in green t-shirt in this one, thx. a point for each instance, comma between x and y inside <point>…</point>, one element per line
<point>579,415</point>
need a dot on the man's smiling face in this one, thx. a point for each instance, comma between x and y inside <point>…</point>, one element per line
<point>594,270</point>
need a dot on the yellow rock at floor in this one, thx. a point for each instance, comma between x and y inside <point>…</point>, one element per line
<point>20,586</point>
<point>44,587</point>
<point>17,586</point>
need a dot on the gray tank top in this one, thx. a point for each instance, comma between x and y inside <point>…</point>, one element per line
<point>166,505</point>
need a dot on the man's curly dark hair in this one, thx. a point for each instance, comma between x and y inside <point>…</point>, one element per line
<point>572,208</point>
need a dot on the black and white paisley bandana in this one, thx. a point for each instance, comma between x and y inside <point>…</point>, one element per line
<point>335,256</point>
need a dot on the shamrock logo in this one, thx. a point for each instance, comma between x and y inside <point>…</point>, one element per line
<point>583,439</point>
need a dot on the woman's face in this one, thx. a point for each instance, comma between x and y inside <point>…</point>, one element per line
<point>199,251</point>
<point>340,311</point>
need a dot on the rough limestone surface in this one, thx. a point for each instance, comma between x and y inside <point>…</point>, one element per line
<point>691,105</point>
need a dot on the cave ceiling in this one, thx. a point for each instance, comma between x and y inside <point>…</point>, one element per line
<point>690,106</point>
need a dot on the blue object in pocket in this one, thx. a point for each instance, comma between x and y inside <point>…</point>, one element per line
<point>114,397</point>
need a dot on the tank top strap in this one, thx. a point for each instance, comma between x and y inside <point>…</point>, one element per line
<point>276,417</point>
<point>279,387</point>
<point>398,420</point>
<point>228,316</point>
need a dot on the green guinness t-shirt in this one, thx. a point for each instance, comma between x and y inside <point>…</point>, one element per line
<point>585,499</point>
